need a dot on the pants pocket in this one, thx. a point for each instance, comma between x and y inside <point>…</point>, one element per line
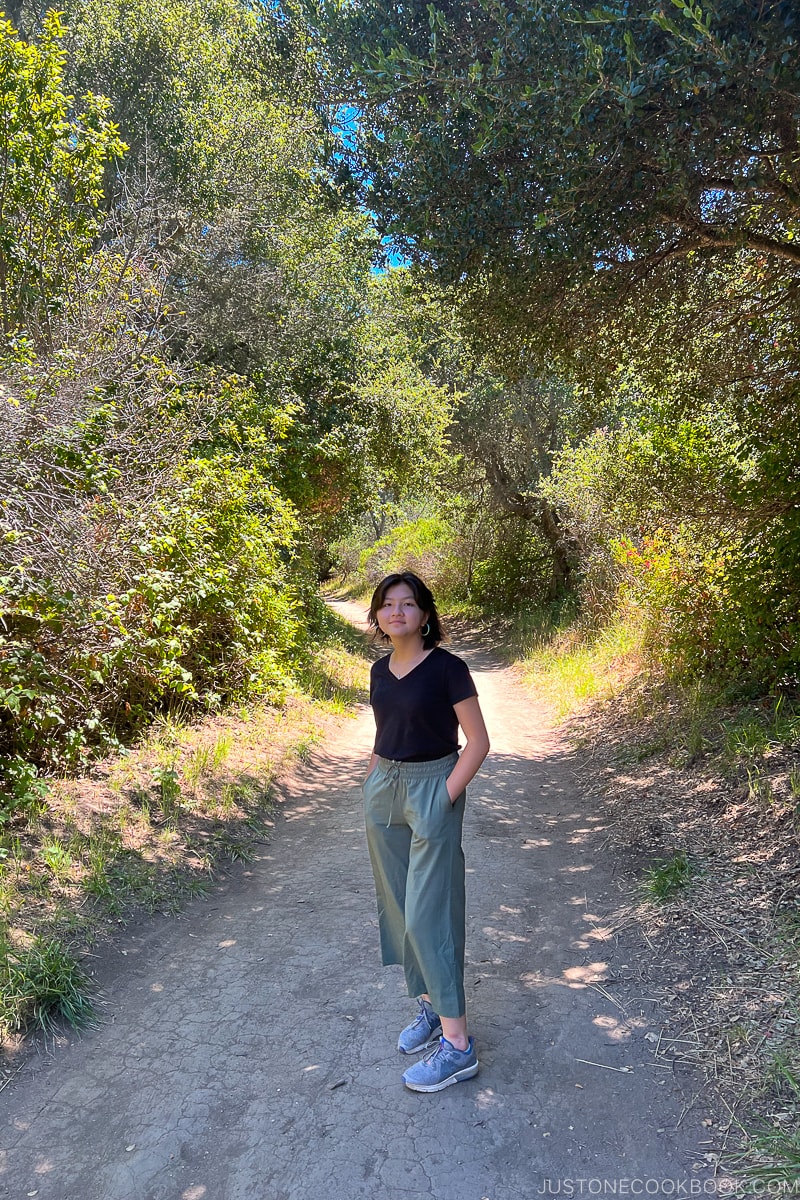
<point>449,803</point>
<point>367,784</point>
<point>460,798</point>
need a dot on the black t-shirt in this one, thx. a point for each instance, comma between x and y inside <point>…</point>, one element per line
<point>414,715</point>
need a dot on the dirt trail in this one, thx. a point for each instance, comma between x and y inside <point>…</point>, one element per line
<point>246,1050</point>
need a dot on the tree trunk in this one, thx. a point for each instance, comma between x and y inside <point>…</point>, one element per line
<point>550,527</point>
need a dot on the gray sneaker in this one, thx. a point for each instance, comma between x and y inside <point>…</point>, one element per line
<point>422,1032</point>
<point>440,1068</point>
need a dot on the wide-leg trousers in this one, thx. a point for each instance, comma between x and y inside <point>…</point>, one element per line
<point>414,839</point>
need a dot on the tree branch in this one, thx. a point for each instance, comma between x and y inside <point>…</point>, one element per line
<point>710,237</point>
<point>755,241</point>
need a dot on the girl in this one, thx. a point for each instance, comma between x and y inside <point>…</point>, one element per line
<point>414,797</point>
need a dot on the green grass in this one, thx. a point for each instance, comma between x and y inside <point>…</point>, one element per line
<point>304,746</point>
<point>206,757</point>
<point>336,679</point>
<point>238,795</point>
<point>759,787</point>
<point>220,749</point>
<point>42,985</point>
<point>668,876</point>
<point>779,1153</point>
<point>237,849</point>
<point>754,731</point>
<point>771,1159</point>
<point>198,764</point>
<point>570,664</point>
<point>569,667</point>
<point>784,1073</point>
<point>745,739</point>
<point>738,753</point>
<point>168,786</point>
<point>58,859</point>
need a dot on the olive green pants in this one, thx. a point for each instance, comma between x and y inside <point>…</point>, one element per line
<point>414,839</point>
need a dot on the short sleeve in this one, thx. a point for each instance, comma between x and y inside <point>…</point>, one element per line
<point>372,676</point>
<point>460,684</point>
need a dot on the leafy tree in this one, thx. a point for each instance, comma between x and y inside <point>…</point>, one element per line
<point>510,429</point>
<point>51,170</point>
<point>405,394</point>
<point>146,556</point>
<point>264,259</point>
<point>558,158</point>
<point>613,193</point>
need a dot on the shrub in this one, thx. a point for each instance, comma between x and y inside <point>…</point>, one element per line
<point>428,546</point>
<point>515,572</point>
<point>197,605</point>
<point>21,789</point>
<point>715,605</point>
<point>134,574</point>
<point>686,527</point>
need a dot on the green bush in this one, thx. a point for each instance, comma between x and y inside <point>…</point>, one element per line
<point>428,546</point>
<point>493,562</point>
<point>135,575</point>
<point>716,604</point>
<point>203,608</point>
<point>177,357</point>
<point>516,571</point>
<point>21,789</point>
<point>687,526</point>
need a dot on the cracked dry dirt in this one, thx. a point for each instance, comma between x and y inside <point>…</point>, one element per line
<point>247,1050</point>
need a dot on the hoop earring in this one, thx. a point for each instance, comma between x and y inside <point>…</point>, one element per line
<point>426,630</point>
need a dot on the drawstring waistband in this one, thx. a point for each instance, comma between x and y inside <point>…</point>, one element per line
<point>418,770</point>
<point>396,770</point>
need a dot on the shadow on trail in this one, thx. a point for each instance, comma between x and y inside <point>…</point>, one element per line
<point>534,852</point>
<point>253,1050</point>
<point>471,645</point>
<point>553,925</point>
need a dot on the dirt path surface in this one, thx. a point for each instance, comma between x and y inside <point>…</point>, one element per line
<point>247,1049</point>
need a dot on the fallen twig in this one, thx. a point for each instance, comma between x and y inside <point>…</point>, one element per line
<point>606,1067</point>
<point>13,1075</point>
<point>607,996</point>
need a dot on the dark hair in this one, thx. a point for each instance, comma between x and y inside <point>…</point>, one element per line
<point>423,597</point>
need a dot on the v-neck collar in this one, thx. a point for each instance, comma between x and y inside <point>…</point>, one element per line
<point>400,678</point>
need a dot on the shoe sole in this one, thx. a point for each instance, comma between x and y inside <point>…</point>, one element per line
<point>465,1073</point>
<point>432,1040</point>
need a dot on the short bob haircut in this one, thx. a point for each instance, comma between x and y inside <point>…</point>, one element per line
<point>423,597</point>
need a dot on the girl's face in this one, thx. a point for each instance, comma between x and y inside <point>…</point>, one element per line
<point>399,615</point>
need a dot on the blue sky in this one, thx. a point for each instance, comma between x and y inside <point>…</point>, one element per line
<point>345,123</point>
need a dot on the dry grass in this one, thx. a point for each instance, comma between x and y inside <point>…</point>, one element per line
<point>571,667</point>
<point>147,830</point>
<point>686,778</point>
<point>703,798</point>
